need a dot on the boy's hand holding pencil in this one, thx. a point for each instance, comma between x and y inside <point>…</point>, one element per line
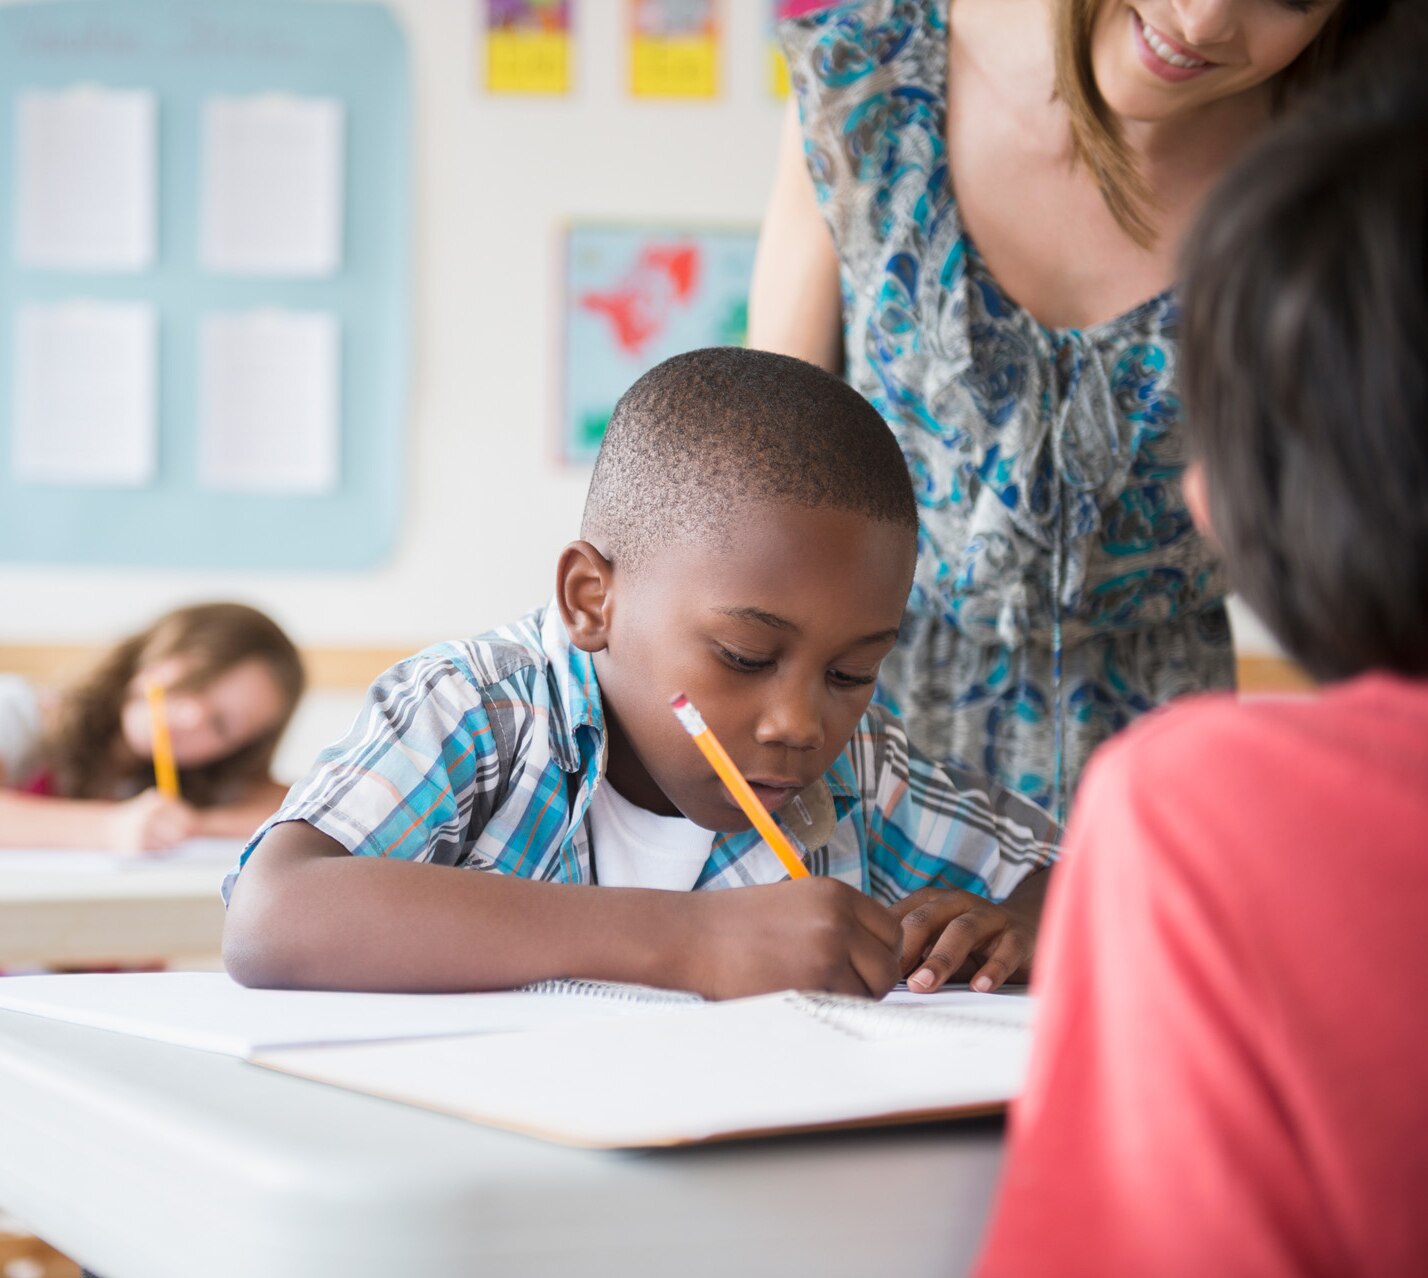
<point>815,934</point>
<point>806,934</point>
<point>935,932</point>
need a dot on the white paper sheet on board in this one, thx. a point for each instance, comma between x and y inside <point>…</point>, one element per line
<point>272,186</point>
<point>84,399</point>
<point>269,401</point>
<point>85,177</point>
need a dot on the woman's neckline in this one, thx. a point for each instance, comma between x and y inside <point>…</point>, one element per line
<point>1057,334</point>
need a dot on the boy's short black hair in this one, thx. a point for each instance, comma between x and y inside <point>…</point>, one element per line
<point>1305,367</point>
<point>704,433</point>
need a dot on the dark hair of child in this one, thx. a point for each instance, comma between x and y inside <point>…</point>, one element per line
<point>83,753</point>
<point>710,430</point>
<point>1305,375</point>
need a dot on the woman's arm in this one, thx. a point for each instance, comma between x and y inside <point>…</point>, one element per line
<point>795,306</point>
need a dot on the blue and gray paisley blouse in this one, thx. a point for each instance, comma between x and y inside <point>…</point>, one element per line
<point>1061,589</point>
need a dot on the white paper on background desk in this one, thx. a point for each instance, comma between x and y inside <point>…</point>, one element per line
<point>210,1011</point>
<point>765,1065</point>
<point>269,401</point>
<point>222,854</point>
<point>84,406</point>
<point>272,186</point>
<point>85,179</point>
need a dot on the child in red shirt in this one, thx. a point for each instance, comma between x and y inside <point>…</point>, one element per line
<point>1230,1074</point>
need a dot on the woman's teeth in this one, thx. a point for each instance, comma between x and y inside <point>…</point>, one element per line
<point>1166,52</point>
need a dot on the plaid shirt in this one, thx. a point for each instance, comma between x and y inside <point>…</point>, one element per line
<point>485,754</point>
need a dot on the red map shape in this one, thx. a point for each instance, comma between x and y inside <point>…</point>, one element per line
<point>663,279</point>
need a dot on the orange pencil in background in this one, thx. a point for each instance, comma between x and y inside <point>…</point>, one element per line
<point>734,782</point>
<point>165,773</point>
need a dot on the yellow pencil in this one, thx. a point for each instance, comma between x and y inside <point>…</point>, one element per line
<point>734,782</point>
<point>165,774</point>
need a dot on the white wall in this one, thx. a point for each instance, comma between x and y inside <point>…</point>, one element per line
<point>487,507</point>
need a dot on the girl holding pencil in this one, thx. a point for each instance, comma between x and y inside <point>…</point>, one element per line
<point>170,736</point>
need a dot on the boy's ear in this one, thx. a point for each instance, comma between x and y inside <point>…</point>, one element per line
<point>583,588</point>
<point>1197,500</point>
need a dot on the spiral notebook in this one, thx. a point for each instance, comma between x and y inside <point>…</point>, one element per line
<point>701,1072</point>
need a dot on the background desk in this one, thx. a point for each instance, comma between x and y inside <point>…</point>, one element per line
<point>145,1160</point>
<point>71,917</point>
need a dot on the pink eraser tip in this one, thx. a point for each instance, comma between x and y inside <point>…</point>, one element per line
<point>679,701</point>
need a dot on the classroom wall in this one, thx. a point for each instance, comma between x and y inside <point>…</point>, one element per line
<point>486,506</point>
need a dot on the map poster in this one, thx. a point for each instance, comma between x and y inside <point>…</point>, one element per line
<point>527,46</point>
<point>674,48</point>
<point>635,296</point>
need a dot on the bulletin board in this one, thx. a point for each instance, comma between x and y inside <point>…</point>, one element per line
<point>345,66</point>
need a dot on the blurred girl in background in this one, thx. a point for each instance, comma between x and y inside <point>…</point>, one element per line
<point>77,769</point>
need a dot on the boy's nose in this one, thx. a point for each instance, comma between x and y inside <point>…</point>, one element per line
<point>791,718</point>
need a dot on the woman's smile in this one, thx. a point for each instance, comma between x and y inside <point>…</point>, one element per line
<point>1164,56</point>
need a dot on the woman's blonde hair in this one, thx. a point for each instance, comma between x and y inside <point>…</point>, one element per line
<point>84,754</point>
<point>1096,134</point>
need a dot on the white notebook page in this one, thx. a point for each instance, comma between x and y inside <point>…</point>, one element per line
<point>773,1063</point>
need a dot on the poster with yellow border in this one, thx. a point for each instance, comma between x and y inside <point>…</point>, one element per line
<point>528,46</point>
<point>674,48</point>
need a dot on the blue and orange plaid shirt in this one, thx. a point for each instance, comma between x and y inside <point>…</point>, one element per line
<point>485,754</point>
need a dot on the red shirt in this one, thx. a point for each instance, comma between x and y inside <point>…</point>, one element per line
<point>1230,1074</point>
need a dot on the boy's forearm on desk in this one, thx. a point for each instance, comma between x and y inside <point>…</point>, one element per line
<point>306,913</point>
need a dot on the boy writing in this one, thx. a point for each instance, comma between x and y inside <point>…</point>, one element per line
<point>1228,1076</point>
<point>518,806</point>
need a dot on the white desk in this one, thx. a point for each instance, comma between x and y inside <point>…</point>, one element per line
<point>145,1160</point>
<point>86,910</point>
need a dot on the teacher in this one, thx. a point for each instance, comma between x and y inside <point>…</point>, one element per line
<point>976,219</point>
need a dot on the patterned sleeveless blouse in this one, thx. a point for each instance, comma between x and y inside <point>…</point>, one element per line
<point>1061,589</point>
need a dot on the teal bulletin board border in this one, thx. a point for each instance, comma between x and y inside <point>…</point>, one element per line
<point>186,51</point>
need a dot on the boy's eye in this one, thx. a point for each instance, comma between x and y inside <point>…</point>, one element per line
<point>846,680</point>
<point>749,665</point>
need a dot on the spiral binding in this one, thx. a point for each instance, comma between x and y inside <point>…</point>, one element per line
<point>620,993</point>
<point>861,1019</point>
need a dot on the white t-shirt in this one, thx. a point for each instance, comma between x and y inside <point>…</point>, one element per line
<point>636,848</point>
<point>19,727</point>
